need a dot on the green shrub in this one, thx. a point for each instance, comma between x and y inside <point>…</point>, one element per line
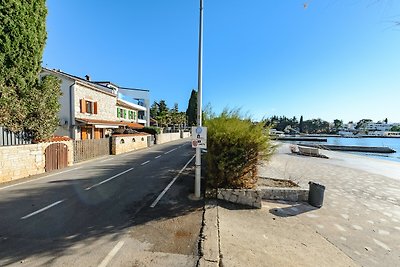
<point>234,146</point>
<point>150,130</point>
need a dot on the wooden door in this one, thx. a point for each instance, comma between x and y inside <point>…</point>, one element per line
<point>98,133</point>
<point>56,157</point>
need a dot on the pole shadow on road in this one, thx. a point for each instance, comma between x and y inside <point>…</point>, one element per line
<point>114,210</point>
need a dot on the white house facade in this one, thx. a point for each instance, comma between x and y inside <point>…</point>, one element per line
<point>88,110</point>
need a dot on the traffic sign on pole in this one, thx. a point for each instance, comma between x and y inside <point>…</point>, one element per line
<point>199,137</point>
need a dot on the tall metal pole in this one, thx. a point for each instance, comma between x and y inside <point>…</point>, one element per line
<point>199,103</point>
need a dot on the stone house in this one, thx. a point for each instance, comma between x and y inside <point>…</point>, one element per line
<point>89,110</point>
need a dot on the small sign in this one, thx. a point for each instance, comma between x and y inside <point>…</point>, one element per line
<point>199,137</point>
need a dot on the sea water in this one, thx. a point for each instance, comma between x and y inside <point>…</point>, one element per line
<point>393,143</point>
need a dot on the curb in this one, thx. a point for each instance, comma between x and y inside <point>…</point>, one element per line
<point>209,237</point>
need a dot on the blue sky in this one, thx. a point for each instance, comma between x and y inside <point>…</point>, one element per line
<point>332,59</point>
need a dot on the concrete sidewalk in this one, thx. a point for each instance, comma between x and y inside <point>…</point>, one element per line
<point>258,237</point>
<point>358,225</point>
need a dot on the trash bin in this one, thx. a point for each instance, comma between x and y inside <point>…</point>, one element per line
<point>316,194</point>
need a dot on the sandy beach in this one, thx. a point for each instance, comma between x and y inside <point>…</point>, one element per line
<point>361,211</point>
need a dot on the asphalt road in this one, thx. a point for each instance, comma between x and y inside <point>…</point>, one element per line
<point>107,212</point>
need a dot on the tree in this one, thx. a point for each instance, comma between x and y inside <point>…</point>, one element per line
<point>42,118</point>
<point>337,124</point>
<point>163,116</point>
<point>362,123</point>
<point>301,123</point>
<point>316,126</point>
<point>191,111</point>
<point>22,40</point>
<point>175,115</point>
<point>283,123</point>
<point>154,110</point>
<point>395,128</point>
<point>162,107</point>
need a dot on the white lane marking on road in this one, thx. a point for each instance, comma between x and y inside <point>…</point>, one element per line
<point>381,244</point>
<point>144,163</point>
<point>170,151</point>
<point>47,176</point>
<point>158,157</point>
<point>41,210</point>
<point>345,216</point>
<point>170,184</point>
<point>112,254</point>
<point>383,232</point>
<point>109,179</point>
<point>340,228</point>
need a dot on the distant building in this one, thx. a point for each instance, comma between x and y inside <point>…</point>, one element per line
<point>379,126</point>
<point>140,97</point>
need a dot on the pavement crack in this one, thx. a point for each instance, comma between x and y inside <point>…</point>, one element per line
<point>219,238</point>
<point>200,247</point>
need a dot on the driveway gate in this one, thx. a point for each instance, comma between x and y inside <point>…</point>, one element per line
<point>56,157</point>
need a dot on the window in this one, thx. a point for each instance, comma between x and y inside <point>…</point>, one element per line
<point>130,115</point>
<point>88,106</point>
<point>124,113</point>
<point>119,115</point>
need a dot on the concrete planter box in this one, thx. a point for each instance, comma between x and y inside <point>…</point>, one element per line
<point>295,194</point>
<point>247,197</point>
<point>281,189</point>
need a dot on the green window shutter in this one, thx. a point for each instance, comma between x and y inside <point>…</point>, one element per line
<point>118,113</point>
<point>124,113</point>
<point>134,115</point>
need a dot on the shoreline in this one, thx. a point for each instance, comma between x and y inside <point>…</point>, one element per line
<point>388,168</point>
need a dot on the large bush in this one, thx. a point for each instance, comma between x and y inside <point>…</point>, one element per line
<point>26,104</point>
<point>150,130</point>
<point>235,145</point>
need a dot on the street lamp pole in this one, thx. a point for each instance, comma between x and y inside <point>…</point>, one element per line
<point>199,104</point>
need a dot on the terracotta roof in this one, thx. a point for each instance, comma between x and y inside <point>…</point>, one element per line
<point>53,139</point>
<point>133,125</point>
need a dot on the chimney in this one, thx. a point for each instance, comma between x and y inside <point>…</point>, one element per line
<point>87,77</point>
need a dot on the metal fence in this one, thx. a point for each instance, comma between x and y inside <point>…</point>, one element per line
<point>92,148</point>
<point>9,138</point>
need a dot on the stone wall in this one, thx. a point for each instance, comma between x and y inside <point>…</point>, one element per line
<point>17,162</point>
<point>185,134</point>
<point>167,137</point>
<point>248,197</point>
<point>287,194</point>
<point>123,143</point>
